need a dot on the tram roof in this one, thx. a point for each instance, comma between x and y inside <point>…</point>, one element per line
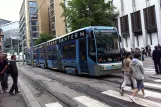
<point>98,27</point>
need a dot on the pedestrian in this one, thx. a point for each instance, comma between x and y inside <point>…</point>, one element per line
<point>138,73</point>
<point>159,46</point>
<point>127,73</point>
<point>3,67</point>
<point>13,71</point>
<point>149,51</point>
<point>6,73</point>
<point>156,56</point>
<point>142,53</point>
<point>146,49</point>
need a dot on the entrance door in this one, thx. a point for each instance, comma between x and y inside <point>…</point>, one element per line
<point>83,55</point>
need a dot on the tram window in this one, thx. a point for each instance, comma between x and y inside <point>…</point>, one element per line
<point>65,51</point>
<point>72,50</point>
<point>91,49</point>
<point>49,55</point>
<point>54,55</point>
<point>82,46</point>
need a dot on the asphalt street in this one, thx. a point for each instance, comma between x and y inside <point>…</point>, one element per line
<point>60,90</point>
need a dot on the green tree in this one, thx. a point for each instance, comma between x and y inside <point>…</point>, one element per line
<point>83,13</point>
<point>43,38</point>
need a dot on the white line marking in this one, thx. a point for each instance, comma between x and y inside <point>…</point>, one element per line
<point>152,85</point>
<point>158,80</point>
<point>139,101</point>
<point>147,92</point>
<point>148,69</point>
<point>53,105</point>
<point>89,102</point>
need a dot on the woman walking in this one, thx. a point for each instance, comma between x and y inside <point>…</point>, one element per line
<point>127,73</point>
<point>138,73</point>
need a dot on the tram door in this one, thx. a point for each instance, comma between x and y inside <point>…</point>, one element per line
<point>83,55</point>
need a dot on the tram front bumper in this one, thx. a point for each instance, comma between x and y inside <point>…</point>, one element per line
<point>105,69</point>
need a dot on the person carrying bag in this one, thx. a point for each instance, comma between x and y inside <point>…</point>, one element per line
<point>127,73</point>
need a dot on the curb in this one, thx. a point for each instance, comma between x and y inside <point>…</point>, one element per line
<point>28,95</point>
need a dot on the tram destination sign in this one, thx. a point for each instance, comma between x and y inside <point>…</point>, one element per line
<point>73,36</point>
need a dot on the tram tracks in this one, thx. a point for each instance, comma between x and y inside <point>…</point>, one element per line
<point>92,92</point>
<point>55,96</point>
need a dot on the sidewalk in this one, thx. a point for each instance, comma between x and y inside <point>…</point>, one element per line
<point>150,64</point>
<point>7,100</point>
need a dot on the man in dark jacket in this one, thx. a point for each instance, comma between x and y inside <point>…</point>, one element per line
<point>156,58</point>
<point>3,67</point>
<point>14,74</point>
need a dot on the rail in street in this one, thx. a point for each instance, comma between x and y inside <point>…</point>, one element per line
<point>101,90</point>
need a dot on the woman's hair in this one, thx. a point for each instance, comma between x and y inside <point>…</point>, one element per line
<point>137,55</point>
<point>127,54</point>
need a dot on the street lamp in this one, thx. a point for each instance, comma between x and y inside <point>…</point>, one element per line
<point>2,36</point>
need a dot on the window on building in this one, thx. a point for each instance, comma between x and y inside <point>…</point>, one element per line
<point>53,25</point>
<point>35,35</point>
<point>136,20</point>
<point>32,10</point>
<point>51,1</point>
<point>33,16</point>
<point>52,13</point>
<point>52,6</point>
<point>125,26</point>
<point>34,22</point>
<point>52,19</point>
<point>53,32</point>
<point>32,4</point>
<point>34,28</point>
<point>150,16</point>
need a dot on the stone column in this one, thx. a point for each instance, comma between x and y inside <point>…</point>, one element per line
<point>158,19</point>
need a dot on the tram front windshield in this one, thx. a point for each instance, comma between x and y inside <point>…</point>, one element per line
<point>107,43</point>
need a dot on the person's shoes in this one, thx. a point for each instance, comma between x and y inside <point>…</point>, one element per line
<point>122,92</point>
<point>132,99</point>
<point>145,96</point>
<point>11,93</point>
<point>18,92</point>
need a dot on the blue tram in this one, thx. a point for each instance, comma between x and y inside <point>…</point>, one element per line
<point>92,50</point>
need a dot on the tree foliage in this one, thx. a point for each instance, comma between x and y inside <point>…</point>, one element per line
<point>83,13</point>
<point>43,38</point>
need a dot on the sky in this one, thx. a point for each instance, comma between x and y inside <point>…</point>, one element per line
<point>9,9</point>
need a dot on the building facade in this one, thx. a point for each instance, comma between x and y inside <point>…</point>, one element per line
<point>11,36</point>
<point>138,22</point>
<point>57,21</point>
<point>2,21</point>
<point>34,20</point>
